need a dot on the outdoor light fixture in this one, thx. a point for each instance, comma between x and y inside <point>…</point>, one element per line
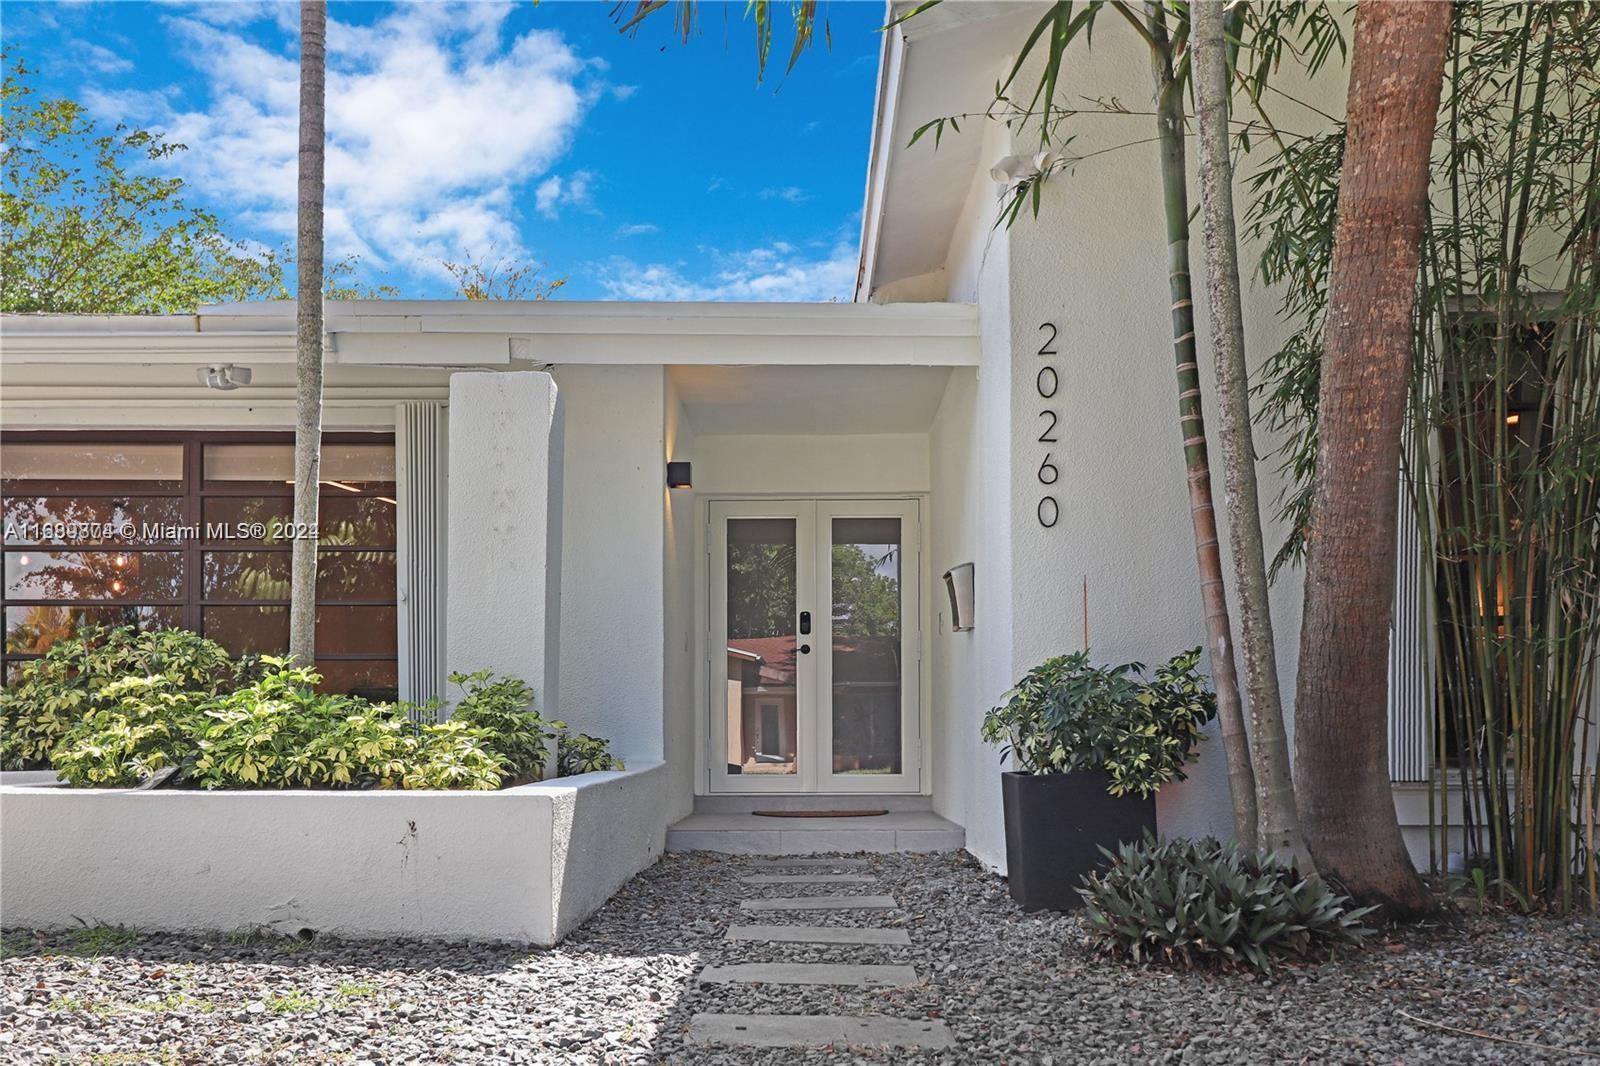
<point>678,476</point>
<point>223,376</point>
<point>958,582</point>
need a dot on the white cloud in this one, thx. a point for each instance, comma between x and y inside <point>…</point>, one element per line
<point>556,192</point>
<point>97,57</point>
<point>777,272</point>
<point>435,120</point>
<point>636,229</point>
<point>789,193</point>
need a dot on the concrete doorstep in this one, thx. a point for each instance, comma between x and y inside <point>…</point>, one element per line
<point>817,1030</point>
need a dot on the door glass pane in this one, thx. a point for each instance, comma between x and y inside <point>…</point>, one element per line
<point>866,568</point>
<point>760,704</point>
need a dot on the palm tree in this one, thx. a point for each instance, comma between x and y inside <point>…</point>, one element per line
<point>308,331</point>
<point>1341,706</point>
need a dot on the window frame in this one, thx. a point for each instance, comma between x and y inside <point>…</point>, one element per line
<point>193,493</point>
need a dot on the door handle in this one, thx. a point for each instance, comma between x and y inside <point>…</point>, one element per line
<point>805,623</point>
<point>805,649</point>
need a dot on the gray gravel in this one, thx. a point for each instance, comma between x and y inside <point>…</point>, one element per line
<point>1013,988</point>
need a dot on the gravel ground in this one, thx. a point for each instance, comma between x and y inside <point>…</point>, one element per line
<point>1013,988</point>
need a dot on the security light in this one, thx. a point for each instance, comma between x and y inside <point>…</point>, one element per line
<point>223,376</point>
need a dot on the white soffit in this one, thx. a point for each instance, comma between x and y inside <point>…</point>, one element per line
<point>730,400</point>
<point>951,59</point>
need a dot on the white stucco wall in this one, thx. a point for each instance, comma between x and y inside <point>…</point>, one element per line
<point>612,595</point>
<point>809,465</point>
<point>678,633</point>
<point>971,448</point>
<point>1093,264</point>
<point>525,864</point>
<point>504,566</point>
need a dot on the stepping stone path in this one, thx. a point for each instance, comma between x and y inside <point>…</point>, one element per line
<point>816,1030</point>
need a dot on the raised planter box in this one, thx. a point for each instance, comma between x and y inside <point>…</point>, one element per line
<point>526,864</point>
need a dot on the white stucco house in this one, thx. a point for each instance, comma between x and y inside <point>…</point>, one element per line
<point>767,626</point>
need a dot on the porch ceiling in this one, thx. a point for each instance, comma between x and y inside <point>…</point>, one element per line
<point>720,400</point>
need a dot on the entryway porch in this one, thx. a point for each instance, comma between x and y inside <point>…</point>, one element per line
<point>788,826</point>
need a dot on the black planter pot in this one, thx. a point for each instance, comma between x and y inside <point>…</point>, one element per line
<point>1056,825</point>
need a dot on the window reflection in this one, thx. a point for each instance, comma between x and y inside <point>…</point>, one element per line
<point>866,564</point>
<point>761,699</point>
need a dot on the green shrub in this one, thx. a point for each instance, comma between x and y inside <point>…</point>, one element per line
<point>1068,714</point>
<point>53,694</point>
<point>579,753</point>
<point>502,709</point>
<point>1196,902</point>
<point>282,733</point>
<point>148,725</point>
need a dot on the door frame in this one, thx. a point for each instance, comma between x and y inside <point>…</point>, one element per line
<point>709,672</point>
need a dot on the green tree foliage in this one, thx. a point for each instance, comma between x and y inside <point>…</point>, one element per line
<point>86,231</point>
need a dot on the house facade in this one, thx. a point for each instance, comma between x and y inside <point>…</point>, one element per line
<point>770,624</point>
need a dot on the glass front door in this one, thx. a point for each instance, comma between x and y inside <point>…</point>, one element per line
<point>815,641</point>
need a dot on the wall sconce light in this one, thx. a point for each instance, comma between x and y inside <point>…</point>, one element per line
<point>678,476</point>
<point>958,582</point>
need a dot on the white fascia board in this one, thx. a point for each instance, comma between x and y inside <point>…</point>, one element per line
<point>146,347</point>
<point>891,64</point>
<point>454,334</point>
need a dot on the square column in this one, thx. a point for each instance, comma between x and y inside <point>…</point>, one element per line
<point>504,572</point>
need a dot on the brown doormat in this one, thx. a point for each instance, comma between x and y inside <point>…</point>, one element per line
<point>818,814</point>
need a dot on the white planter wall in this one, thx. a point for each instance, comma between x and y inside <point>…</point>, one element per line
<point>526,864</point>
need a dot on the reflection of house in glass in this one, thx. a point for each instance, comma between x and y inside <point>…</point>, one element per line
<point>761,705</point>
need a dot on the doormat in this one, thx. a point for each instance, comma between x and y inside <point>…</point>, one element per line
<point>818,814</point>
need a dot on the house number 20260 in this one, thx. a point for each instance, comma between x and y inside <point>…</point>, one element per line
<point>1047,382</point>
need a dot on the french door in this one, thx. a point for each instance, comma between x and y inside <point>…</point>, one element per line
<point>815,642</point>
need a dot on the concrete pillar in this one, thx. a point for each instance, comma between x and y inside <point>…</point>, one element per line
<point>504,572</point>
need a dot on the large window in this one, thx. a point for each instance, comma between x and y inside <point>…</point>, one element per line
<point>160,530</point>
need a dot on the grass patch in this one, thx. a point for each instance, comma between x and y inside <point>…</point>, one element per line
<point>293,1002</point>
<point>93,940</point>
<point>355,990</point>
<point>175,1001</point>
<point>16,944</point>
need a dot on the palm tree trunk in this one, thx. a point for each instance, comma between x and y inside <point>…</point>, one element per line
<point>308,333</point>
<point>1219,631</point>
<point>1341,709</point>
<point>1278,820</point>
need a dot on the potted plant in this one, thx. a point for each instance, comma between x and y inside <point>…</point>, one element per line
<point>1091,745</point>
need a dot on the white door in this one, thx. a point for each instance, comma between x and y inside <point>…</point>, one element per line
<point>815,645</point>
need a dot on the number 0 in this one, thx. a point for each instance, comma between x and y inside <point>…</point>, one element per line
<point>1049,512</point>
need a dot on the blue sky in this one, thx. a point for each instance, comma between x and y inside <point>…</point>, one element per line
<point>638,168</point>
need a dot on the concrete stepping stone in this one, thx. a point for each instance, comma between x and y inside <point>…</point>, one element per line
<point>820,903</point>
<point>808,879</point>
<point>811,973</point>
<point>819,934</point>
<point>817,1030</point>
<point>821,864</point>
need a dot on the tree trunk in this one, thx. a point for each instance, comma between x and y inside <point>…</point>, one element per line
<point>1219,633</point>
<point>1341,710</point>
<point>308,334</point>
<point>1278,821</point>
